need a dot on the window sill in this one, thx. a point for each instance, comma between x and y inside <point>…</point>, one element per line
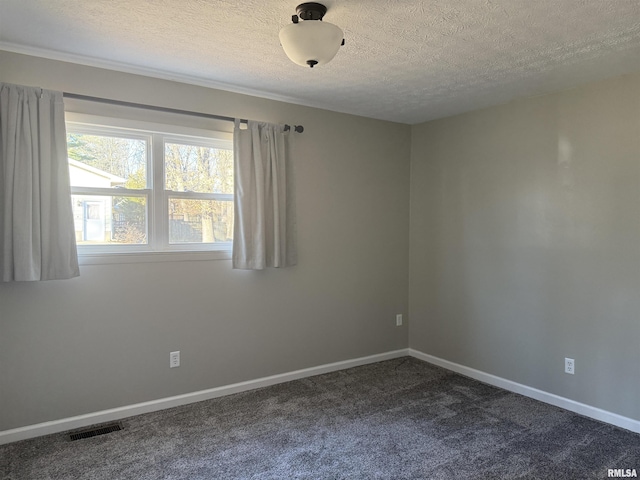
<point>149,257</point>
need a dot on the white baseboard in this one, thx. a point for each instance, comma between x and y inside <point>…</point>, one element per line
<point>550,398</point>
<point>62,425</point>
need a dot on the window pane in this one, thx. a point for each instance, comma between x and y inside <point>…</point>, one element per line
<point>107,162</point>
<point>109,219</point>
<point>200,221</point>
<point>192,168</point>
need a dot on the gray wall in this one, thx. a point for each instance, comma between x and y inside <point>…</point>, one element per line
<point>525,242</point>
<point>103,340</point>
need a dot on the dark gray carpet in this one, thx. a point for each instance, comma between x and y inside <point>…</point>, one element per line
<point>399,419</point>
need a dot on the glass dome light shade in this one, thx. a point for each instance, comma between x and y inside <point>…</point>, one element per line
<point>311,41</point>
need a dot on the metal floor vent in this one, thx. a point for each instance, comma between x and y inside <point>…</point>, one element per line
<point>95,431</point>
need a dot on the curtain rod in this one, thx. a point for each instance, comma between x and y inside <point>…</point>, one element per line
<point>296,128</point>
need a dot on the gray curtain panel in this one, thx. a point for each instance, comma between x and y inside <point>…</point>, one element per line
<point>37,239</point>
<point>265,222</point>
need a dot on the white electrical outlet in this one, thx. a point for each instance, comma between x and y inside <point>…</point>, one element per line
<point>174,359</point>
<point>399,320</point>
<point>569,366</point>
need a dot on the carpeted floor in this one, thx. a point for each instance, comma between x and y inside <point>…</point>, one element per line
<point>399,419</point>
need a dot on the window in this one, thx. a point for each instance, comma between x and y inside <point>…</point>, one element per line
<point>159,189</point>
<point>199,186</point>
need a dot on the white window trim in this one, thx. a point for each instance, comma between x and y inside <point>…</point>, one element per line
<point>148,257</point>
<point>158,248</point>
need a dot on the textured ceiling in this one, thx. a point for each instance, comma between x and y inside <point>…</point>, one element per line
<point>405,61</point>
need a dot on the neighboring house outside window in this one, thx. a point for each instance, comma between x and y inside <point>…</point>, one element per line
<point>92,214</point>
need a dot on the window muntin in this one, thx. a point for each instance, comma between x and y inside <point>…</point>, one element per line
<point>136,190</point>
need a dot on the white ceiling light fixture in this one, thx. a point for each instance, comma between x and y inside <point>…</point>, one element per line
<point>311,42</point>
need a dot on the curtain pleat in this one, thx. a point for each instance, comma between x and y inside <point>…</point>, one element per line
<point>37,239</point>
<point>265,222</point>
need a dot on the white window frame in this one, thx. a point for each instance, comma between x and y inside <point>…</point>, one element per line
<point>158,247</point>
